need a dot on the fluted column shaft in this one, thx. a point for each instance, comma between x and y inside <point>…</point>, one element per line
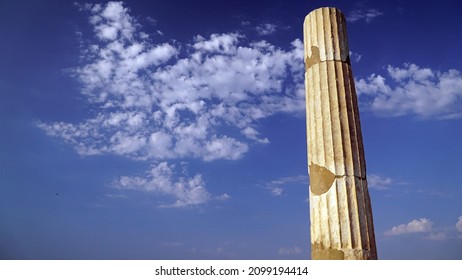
<point>340,208</point>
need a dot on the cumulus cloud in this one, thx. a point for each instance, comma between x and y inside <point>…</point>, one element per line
<point>426,226</point>
<point>363,14</point>
<point>459,224</point>
<point>155,103</point>
<point>168,100</point>
<point>413,90</point>
<point>187,191</point>
<point>414,226</point>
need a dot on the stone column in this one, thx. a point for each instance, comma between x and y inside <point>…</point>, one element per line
<point>340,207</point>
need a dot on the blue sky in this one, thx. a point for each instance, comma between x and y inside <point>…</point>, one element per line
<point>176,129</point>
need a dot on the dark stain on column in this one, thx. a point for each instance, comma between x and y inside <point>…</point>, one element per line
<point>321,179</point>
<point>313,59</point>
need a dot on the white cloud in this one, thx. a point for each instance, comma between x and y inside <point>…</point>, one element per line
<point>223,197</point>
<point>168,101</point>
<point>276,191</point>
<point>362,14</point>
<point>290,250</point>
<point>252,133</point>
<point>218,43</point>
<point>160,145</point>
<point>356,57</point>
<point>437,236</point>
<point>156,102</point>
<point>276,187</point>
<point>224,148</point>
<point>413,90</point>
<point>459,224</point>
<point>112,21</point>
<point>161,180</point>
<point>424,225</point>
<point>414,226</point>
<point>379,182</point>
<point>266,28</point>
<point>127,144</point>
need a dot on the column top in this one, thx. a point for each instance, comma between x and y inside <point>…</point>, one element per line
<point>325,36</point>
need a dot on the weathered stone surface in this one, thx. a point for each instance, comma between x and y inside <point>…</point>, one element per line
<point>340,210</point>
<point>327,32</point>
<point>326,253</point>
